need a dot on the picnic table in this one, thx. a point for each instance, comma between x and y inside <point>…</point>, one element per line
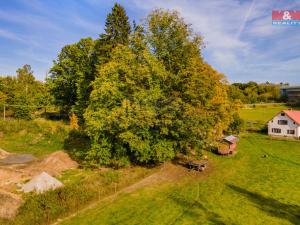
<point>198,165</point>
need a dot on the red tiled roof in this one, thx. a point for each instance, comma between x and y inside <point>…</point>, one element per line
<point>294,115</point>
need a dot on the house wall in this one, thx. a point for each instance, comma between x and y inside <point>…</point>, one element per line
<point>284,128</point>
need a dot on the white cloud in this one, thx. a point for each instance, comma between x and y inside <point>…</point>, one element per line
<point>29,20</point>
<point>239,37</point>
<point>90,26</point>
<point>10,35</point>
<point>241,41</point>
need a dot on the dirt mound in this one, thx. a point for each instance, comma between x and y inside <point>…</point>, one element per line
<point>55,163</point>
<point>41,183</point>
<point>9,177</point>
<point>3,154</point>
<point>9,204</point>
<point>12,175</point>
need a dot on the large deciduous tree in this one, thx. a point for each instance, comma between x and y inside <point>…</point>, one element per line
<point>71,75</point>
<point>171,39</point>
<point>157,96</point>
<point>123,118</point>
<point>23,94</point>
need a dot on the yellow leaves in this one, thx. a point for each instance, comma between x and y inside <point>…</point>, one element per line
<point>74,122</point>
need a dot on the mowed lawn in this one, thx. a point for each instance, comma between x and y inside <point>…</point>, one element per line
<point>246,189</point>
<point>262,113</point>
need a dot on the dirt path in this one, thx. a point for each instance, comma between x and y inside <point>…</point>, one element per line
<point>167,173</point>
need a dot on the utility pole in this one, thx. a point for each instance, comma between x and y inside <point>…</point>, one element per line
<point>4,112</point>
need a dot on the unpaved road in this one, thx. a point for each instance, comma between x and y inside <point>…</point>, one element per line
<point>167,173</point>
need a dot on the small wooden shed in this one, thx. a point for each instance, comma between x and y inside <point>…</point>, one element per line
<point>228,145</point>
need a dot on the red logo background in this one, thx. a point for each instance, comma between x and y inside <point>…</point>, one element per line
<point>278,14</point>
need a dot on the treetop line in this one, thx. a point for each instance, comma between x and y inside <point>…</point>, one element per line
<point>139,94</point>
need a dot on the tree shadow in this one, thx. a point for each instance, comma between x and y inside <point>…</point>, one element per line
<point>190,207</point>
<point>55,116</point>
<point>77,145</point>
<point>271,206</point>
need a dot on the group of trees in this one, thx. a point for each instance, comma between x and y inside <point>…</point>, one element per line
<point>142,92</point>
<point>23,94</point>
<point>253,92</point>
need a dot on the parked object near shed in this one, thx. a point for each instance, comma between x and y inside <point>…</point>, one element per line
<point>228,145</point>
<point>285,123</point>
<point>41,183</point>
<point>198,165</point>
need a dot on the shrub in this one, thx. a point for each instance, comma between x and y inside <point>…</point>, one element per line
<point>46,207</point>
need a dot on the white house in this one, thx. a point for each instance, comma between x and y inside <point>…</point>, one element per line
<point>285,123</point>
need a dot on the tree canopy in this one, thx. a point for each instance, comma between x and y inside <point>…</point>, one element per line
<point>22,93</point>
<point>143,94</point>
<point>253,92</point>
<point>147,105</point>
<point>75,67</point>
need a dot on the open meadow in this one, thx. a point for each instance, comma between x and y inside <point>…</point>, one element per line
<point>260,185</point>
<point>256,117</point>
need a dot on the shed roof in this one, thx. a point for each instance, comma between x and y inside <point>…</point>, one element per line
<point>231,139</point>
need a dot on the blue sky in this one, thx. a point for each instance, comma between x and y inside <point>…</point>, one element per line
<point>239,37</point>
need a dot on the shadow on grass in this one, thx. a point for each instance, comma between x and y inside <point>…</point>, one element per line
<point>271,206</point>
<point>190,207</point>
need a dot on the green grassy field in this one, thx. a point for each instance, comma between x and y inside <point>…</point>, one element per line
<point>39,137</point>
<point>256,118</point>
<point>262,113</point>
<point>248,188</point>
<point>245,189</point>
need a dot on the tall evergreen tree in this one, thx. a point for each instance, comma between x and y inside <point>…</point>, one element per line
<point>117,26</point>
<point>117,31</point>
<point>77,64</point>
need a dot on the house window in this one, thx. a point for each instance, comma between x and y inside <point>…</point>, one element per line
<point>282,122</point>
<point>276,130</point>
<point>282,114</point>
<point>291,131</point>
